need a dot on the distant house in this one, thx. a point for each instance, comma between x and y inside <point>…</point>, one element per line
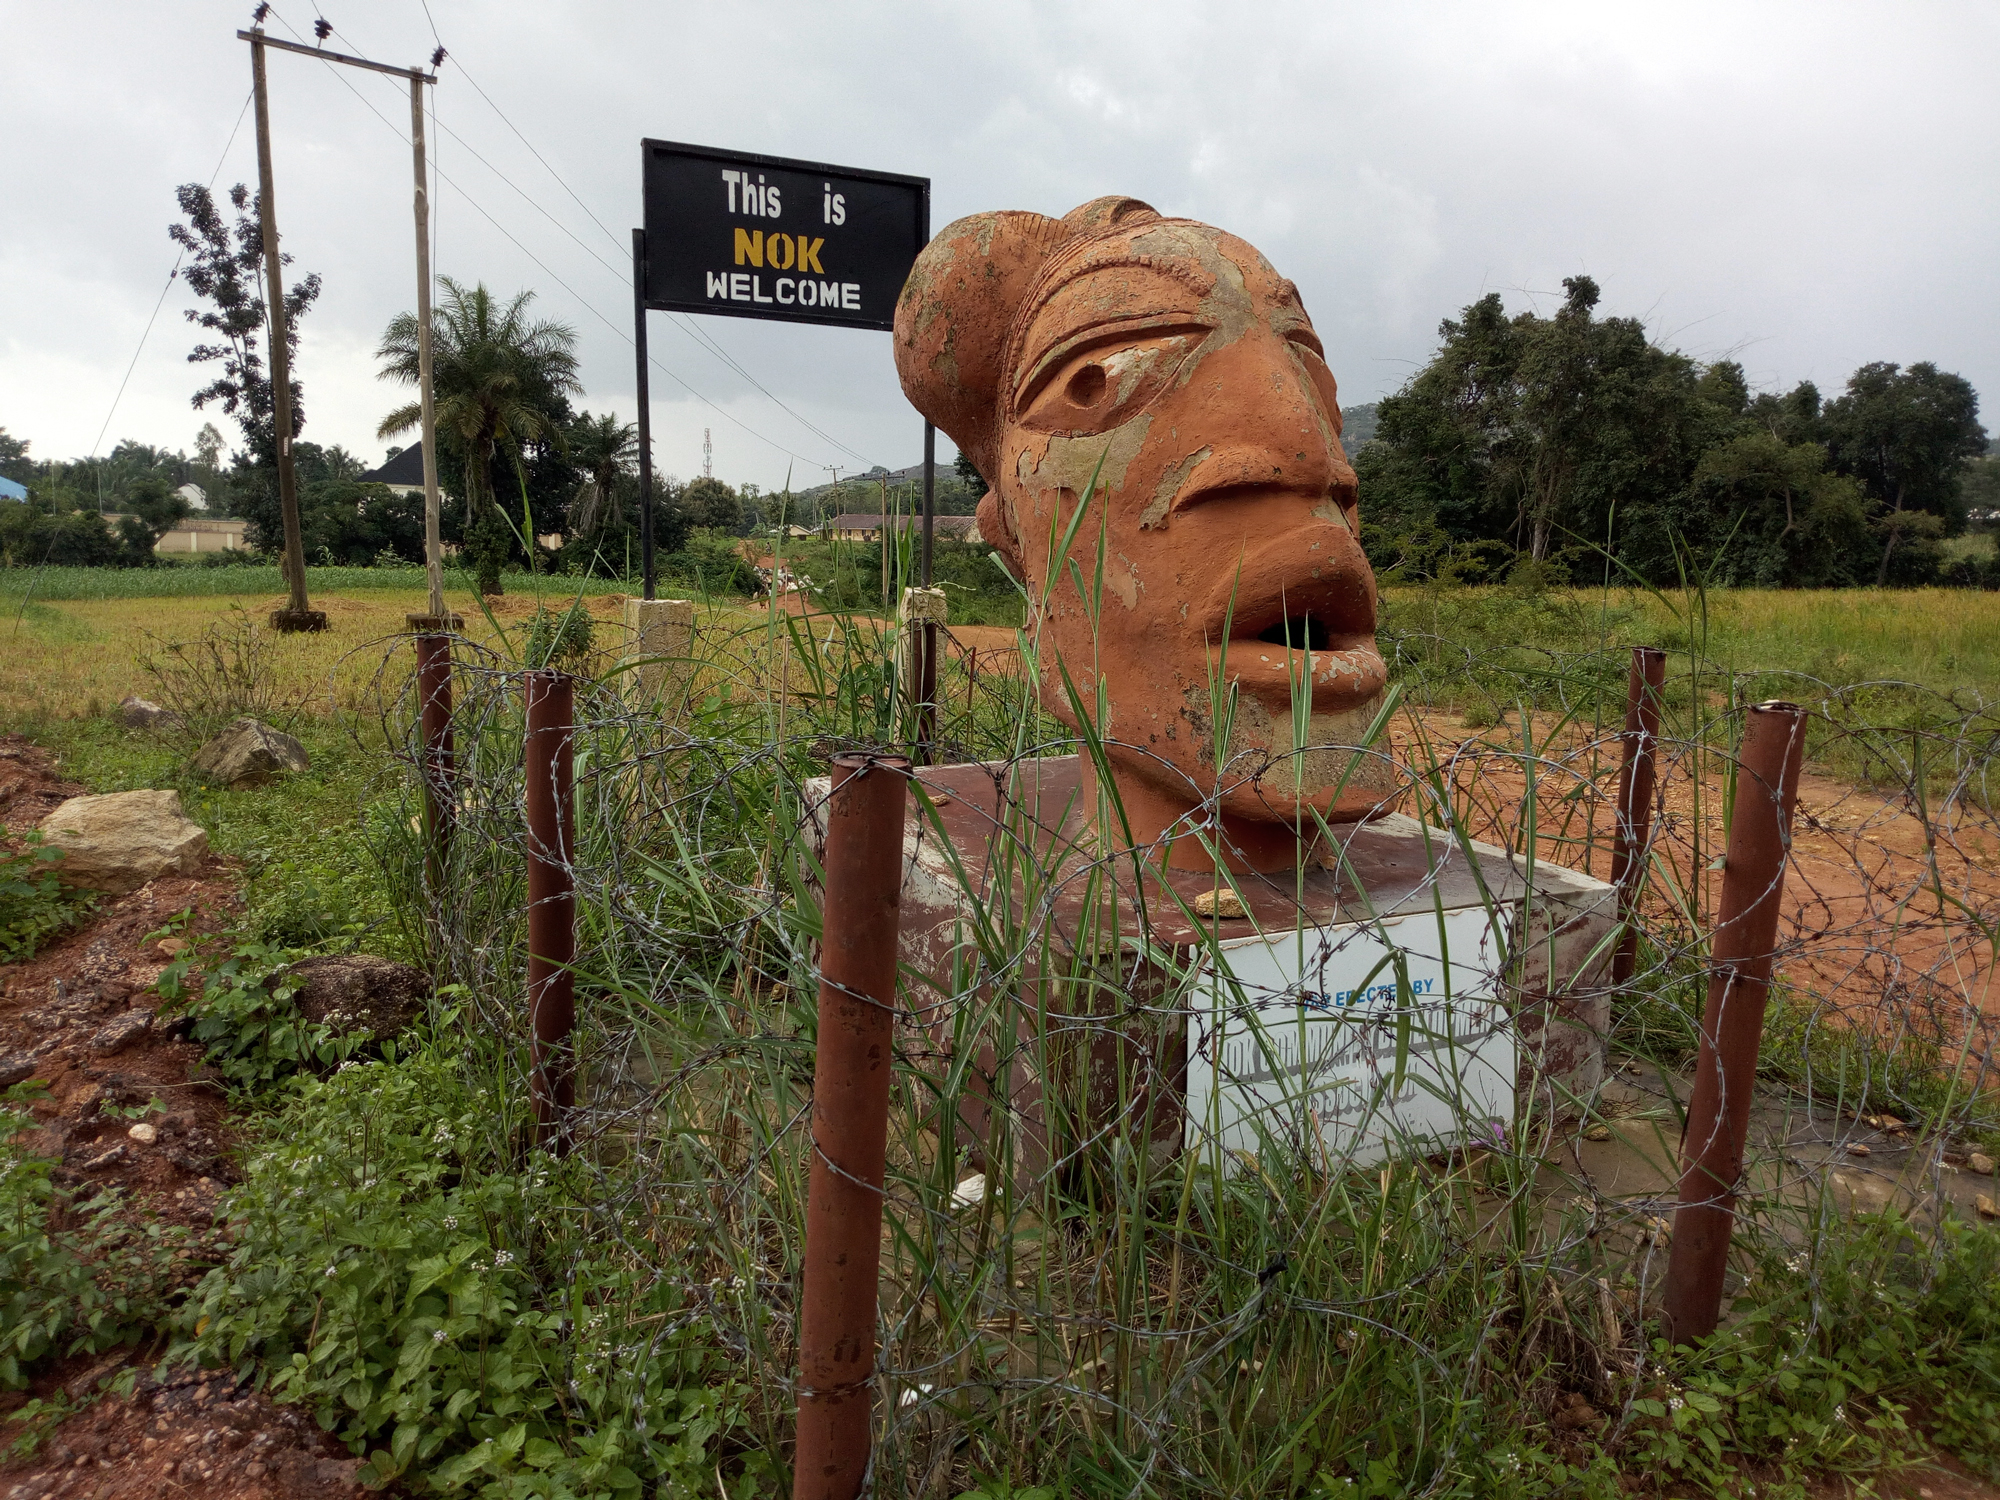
<point>12,491</point>
<point>404,473</point>
<point>195,495</point>
<point>198,535</point>
<point>866,527</point>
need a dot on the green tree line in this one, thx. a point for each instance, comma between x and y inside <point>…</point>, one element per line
<point>1574,445</point>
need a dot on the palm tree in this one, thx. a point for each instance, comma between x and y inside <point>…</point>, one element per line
<point>606,450</point>
<point>497,379</point>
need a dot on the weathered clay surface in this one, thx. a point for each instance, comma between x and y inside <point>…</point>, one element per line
<point>248,754</point>
<point>117,843</point>
<point>356,992</point>
<point>1161,375</point>
<point>1114,1059</point>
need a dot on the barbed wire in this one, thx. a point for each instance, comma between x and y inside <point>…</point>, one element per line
<point>1072,1248</point>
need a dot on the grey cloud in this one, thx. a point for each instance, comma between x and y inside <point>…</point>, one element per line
<point>1808,185</point>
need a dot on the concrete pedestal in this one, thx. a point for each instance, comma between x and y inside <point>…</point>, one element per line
<point>659,644</point>
<point>1444,988</point>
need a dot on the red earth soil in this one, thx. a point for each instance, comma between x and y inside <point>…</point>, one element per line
<point>79,1017</point>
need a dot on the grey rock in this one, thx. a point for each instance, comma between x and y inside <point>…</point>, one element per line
<point>359,992</point>
<point>16,1069</point>
<point>143,713</point>
<point>122,1032</point>
<point>249,753</point>
<point>117,843</point>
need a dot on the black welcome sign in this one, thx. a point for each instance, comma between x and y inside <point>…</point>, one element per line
<point>751,236</point>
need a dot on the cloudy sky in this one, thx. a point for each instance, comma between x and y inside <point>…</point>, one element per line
<point>1803,187</point>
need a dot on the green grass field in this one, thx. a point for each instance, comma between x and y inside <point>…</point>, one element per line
<point>178,581</point>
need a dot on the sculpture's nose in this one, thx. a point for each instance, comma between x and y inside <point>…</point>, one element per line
<point>1281,438</point>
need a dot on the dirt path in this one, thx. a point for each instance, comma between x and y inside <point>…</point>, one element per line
<point>79,1018</point>
<point>1887,908</point>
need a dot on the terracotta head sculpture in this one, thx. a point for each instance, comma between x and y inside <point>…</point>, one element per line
<point>1168,362</point>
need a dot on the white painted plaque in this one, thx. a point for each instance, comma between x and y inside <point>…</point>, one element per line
<point>1384,1038</point>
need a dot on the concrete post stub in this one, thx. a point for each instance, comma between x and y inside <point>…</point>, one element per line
<point>659,639</point>
<point>919,607</point>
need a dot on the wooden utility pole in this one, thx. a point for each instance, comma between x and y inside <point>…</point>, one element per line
<point>433,543</point>
<point>298,614</point>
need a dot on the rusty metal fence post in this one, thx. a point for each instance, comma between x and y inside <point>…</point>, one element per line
<point>1629,839</point>
<point>1732,1021</point>
<point>850,1125</point>
<point>548,753</point>
<point>439,757</point>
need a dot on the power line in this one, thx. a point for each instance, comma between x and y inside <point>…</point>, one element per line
<point>683,323</point>
<point>551,273</point>
<point>49,551</point>
<point>160,303</point>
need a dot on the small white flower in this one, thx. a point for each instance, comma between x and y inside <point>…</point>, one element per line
<point>438,1337</point>
<point>332,1270</point>
<point>1676,1404</point>
<point>451,1221</point>
<point>502,1258</point>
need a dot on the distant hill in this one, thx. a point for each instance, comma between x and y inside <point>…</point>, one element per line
<point>1357,426</point>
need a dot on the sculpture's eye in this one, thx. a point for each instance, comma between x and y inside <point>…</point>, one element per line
<point>1086,386</point>
<point>1095,388</point>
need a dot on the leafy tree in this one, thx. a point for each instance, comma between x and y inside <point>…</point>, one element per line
<point>713,505</point>
<point>1980,489</point>
<point>225,269</point>
<point>14,460</point>
<point>500,382</point>
<point>605,450</point>
<point>34,533</point>
<point>158,507</point>
<point>1764,513</point>
<point>1905,435</point>
<point>607,551</point>
<point>1524,431</point>
<point>353,524</point>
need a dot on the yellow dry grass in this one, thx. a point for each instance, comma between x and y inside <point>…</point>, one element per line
<point>78,658</point>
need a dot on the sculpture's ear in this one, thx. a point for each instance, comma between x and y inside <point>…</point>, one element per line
<point>954,316</point>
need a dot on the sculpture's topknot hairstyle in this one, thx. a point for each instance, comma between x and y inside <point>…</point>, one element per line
<point>958,319</point>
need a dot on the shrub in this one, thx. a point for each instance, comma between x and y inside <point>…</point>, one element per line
<point>225,673</point>
<point>97,1283</point>
<point>34,904</point>
<point>463,1323</point>
<point>245,1017</point>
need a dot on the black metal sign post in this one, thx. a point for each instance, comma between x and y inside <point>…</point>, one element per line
<point>748,236</point>
<point>645,413</point>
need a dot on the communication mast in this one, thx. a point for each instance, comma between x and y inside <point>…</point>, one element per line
<point>707,456</point>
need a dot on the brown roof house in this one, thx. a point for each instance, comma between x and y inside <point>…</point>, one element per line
<point>868,526</point>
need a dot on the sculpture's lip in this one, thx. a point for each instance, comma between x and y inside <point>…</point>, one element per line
<point>1299,612</point>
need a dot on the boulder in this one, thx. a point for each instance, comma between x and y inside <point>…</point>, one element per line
<point>119,842</point>
<point>247,754</point>
<point>359,992</point>
<point>143,713</point>
<point>122,1032</point>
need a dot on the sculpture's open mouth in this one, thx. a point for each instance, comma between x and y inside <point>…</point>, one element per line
<point>1299,616</point>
